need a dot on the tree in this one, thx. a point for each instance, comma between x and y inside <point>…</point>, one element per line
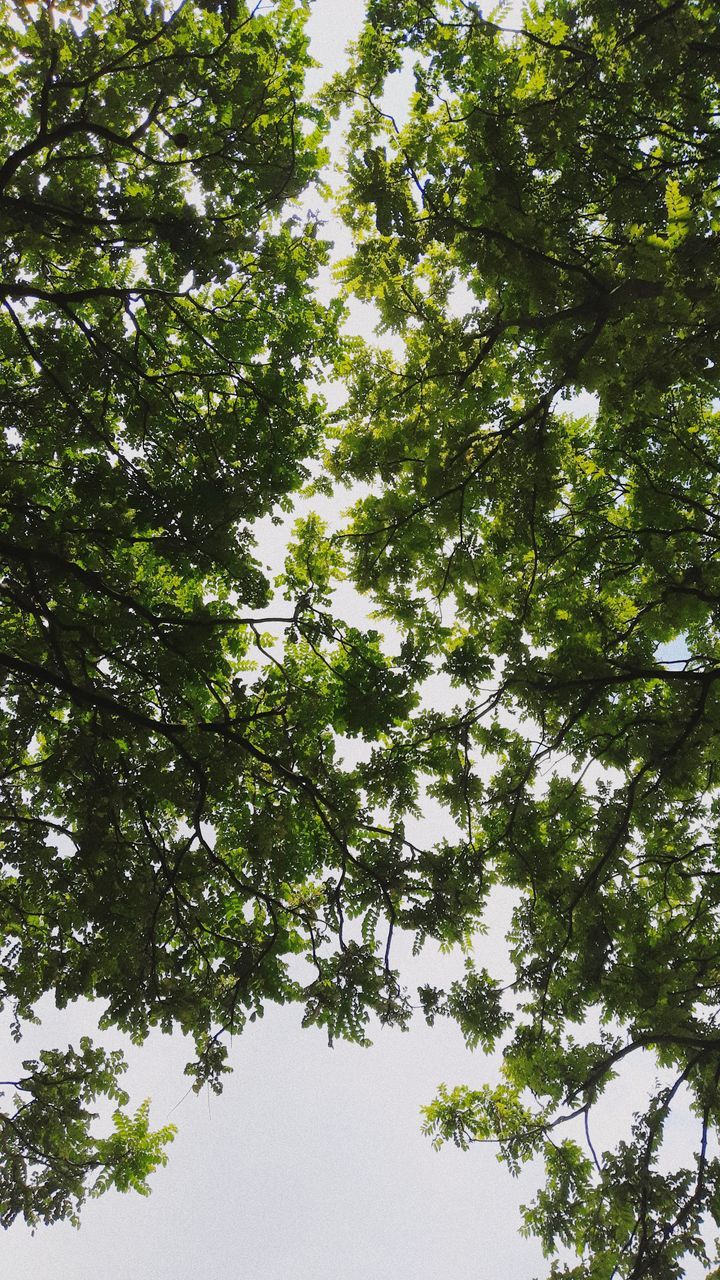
<point>546,224</point>
<point>179,830</point>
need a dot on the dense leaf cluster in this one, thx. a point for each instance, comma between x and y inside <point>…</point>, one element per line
<point>545,225</point>
<point>181,839</point>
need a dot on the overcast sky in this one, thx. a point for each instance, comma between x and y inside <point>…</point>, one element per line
<point>311,1165</point>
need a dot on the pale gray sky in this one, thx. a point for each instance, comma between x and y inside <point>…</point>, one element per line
<point>311,1165</point>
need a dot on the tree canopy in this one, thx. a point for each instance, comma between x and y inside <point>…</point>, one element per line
<point>546,224</point>
<point>181,829</point>
<point>176,826</point>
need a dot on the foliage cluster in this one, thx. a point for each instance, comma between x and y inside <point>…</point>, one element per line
<point>545,227</point>
<point>179,832</point>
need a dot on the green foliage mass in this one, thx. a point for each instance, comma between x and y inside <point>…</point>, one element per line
<point>51,1161</point>
<point>543,226</point>
<point>181,840</point>
<point>181,837</point>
